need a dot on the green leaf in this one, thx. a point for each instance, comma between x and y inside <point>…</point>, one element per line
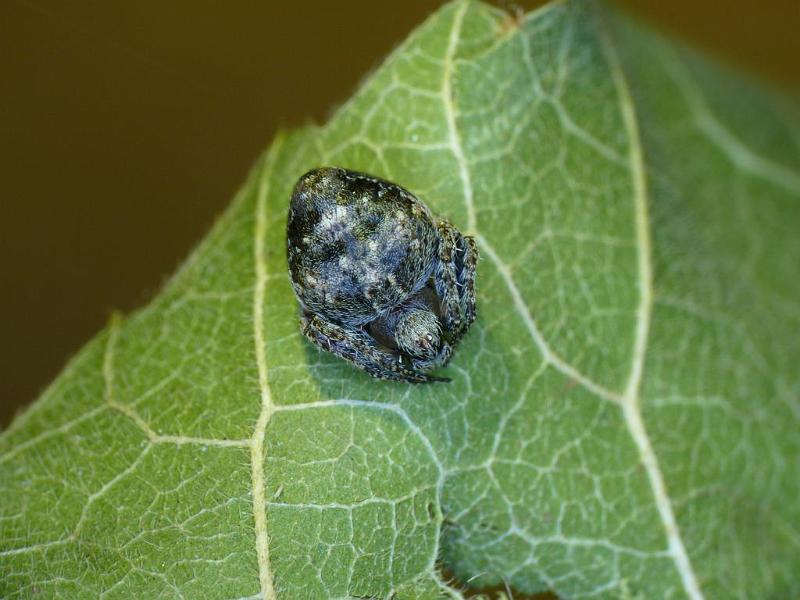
<point>623,419</point>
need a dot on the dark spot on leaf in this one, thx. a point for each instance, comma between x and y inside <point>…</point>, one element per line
<point>431,511</point>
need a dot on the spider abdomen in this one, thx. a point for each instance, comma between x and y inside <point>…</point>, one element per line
<point>357,246</point>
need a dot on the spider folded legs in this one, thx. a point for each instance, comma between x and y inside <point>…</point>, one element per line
<point>359,348</point>
<point>454,279</point>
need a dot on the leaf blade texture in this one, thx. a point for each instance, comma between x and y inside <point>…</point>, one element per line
<point>622,420</point>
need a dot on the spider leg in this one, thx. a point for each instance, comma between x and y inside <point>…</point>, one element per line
<point>446,277</point>
<point>360,349</point>
<point>468,262</point>
<point>454,280</point>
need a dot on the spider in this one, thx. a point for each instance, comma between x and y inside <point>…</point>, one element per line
<point>381,282</point>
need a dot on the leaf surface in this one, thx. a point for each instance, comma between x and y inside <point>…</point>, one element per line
<point>623,416</point>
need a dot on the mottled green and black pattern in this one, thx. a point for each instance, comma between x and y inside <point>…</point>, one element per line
<point>381,282</point>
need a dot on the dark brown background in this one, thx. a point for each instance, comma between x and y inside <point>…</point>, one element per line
<point>125,128</point>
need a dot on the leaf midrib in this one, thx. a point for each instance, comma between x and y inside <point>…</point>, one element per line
<point>631,402</point>
<point>267,406</point>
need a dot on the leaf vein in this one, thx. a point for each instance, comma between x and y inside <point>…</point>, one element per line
<point>631,402</point>
<point>726,141</point>
<point>549,356</point>
<point>267,404</point>
<point>450,110</point>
